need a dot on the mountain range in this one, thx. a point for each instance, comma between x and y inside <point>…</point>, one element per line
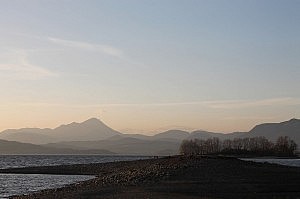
<point>89,130</point>
<point>12,147</point>
<point>94,137</point>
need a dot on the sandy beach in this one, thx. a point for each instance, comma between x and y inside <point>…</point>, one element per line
<point>174,177</point>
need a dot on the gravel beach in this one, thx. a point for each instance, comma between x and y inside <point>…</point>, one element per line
<point>173,177</point>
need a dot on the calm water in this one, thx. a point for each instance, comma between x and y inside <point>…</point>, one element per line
<point>16,184</point>
<point>287,162</point>
<point>15,161</point>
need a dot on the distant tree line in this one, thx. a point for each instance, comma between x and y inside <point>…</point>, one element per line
<point>284,146</point>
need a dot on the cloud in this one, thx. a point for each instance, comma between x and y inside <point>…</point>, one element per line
<point>22,69</point>
<point>236,104</point>
<point>106,49</point>
<point>217,104</point>
<point>222,104</point>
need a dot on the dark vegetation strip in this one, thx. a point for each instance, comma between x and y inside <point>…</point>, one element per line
<point>256,146</point>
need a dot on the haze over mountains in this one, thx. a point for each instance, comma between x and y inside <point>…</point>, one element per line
<point>92,129</point>
<point>94,137</point>
<point>12,147</point>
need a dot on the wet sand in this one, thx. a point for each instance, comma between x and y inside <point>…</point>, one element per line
<point>174,177</point>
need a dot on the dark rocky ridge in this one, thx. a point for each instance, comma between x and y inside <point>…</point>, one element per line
<point>175,177</point>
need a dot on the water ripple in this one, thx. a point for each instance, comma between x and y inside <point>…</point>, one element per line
<point>17,184</point>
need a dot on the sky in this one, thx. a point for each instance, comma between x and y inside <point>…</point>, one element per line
<point>145,66</point>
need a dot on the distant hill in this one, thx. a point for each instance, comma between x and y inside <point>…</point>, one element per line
<point>172,134</point>
<point>272,131</point>
<point>28,135</point>
<point>126,146</point>
<point>12,147</point>
<point>205,135</point>
<point>95,135</point>
<point>92,129</point>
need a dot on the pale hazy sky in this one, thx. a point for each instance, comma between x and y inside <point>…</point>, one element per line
<point>143,66</point>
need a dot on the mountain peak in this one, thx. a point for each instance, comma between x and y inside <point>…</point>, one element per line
<point>291,122</point>
<point>294,120</point>
<point>91,129</point>
<point>273,130</point>
<point>93,120</point>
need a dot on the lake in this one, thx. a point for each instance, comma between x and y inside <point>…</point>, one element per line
<point>16,184</point>
<point>286,162</point>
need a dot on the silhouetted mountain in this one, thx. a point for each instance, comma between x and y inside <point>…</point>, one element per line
<point>28,135</point>
<point>137,136</point>
<point>127,145</point>
<point>95,135</point>
<point>172,134</point>
<point>272,131</point>
<point>12,147</point>
<point>92,129</point>
<point>205,135</point>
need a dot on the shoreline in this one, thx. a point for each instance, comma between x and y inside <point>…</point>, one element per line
<point>176,176</point>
